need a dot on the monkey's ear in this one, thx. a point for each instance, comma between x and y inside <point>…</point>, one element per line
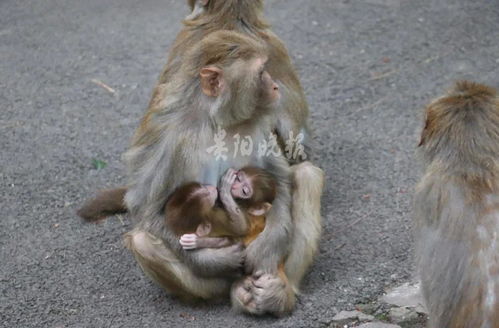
<point>203,229</point>
<point>260,210</point>
<point>198,8</point>
<point>212,81</point>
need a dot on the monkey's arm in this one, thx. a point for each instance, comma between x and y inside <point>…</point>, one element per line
<point>269,291</point>
<point>271,246</point>
<point>193,241</point>
<point>156,171</point>
<point>237,222</point>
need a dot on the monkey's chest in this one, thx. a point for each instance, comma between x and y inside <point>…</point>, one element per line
<point>232,149</point>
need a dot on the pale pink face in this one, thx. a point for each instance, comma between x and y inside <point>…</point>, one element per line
<point>242,187</point>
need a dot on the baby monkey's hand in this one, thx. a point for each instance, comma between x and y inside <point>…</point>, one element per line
<point>189,241</point>
<point>226,184</point>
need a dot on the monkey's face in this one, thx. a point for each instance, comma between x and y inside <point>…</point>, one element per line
<point>271,92</point>
<point>268,90</point>
<point>242,188</point>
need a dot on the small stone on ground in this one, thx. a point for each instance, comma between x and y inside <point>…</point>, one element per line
<point>345,316</point>
<point>406,295</point>
<point>402,315</point>
<point>378,325</point>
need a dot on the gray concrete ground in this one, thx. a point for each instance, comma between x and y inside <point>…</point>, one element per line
<point>368,68</point>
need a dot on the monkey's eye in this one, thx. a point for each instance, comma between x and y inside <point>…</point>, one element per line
<point>238,179</point>
<point>245,191</point>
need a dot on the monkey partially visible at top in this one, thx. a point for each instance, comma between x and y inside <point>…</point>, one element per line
<point>200,221</point>
<point>457,208</point>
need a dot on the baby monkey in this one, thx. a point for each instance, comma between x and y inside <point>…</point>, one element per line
<point>202,217</point>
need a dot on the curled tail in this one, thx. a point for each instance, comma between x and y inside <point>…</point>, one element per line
<point>106,203</point>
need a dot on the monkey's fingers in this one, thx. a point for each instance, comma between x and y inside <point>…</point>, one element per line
<point>246,298</point>
<point>248,284</point>
<point>229,178</point>
<point>188,246</point>
<point>244,294</point>
<point>188,236</point>
<point>268,280</point>
<point>188,241</point>
<point>258,274</point>
<point>226,184</point>
<point>227,173</point>
<point>232,179</point>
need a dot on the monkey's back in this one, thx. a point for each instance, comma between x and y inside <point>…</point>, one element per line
<point>458,251</point>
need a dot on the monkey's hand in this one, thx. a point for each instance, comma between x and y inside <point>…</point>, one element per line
<point>226,183</point>
<point>189,241</point>
<point>263,293</point>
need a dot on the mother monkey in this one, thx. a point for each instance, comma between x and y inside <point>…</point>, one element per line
<point>170,148</point>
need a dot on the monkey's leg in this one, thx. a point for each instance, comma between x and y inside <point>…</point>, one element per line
<point>267,293</point>
<point>306,211</point>
<point>164,268</point>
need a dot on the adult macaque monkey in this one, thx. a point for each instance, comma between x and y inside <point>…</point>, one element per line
<point>169,149</point>
<point>221,86</point>
<point>457,209</point>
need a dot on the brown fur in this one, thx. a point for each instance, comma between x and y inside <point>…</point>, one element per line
<point>187,210</point>
<point>457,208</point>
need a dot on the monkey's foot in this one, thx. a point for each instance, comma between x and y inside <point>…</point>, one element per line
<point>242,299</point>
<point>263,293</point>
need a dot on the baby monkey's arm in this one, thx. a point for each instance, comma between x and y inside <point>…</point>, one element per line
<point>192,241</point>
<point>237,219</point>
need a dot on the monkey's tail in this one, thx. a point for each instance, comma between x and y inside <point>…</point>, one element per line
<point>106,203</point>
<point>306,213</point>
